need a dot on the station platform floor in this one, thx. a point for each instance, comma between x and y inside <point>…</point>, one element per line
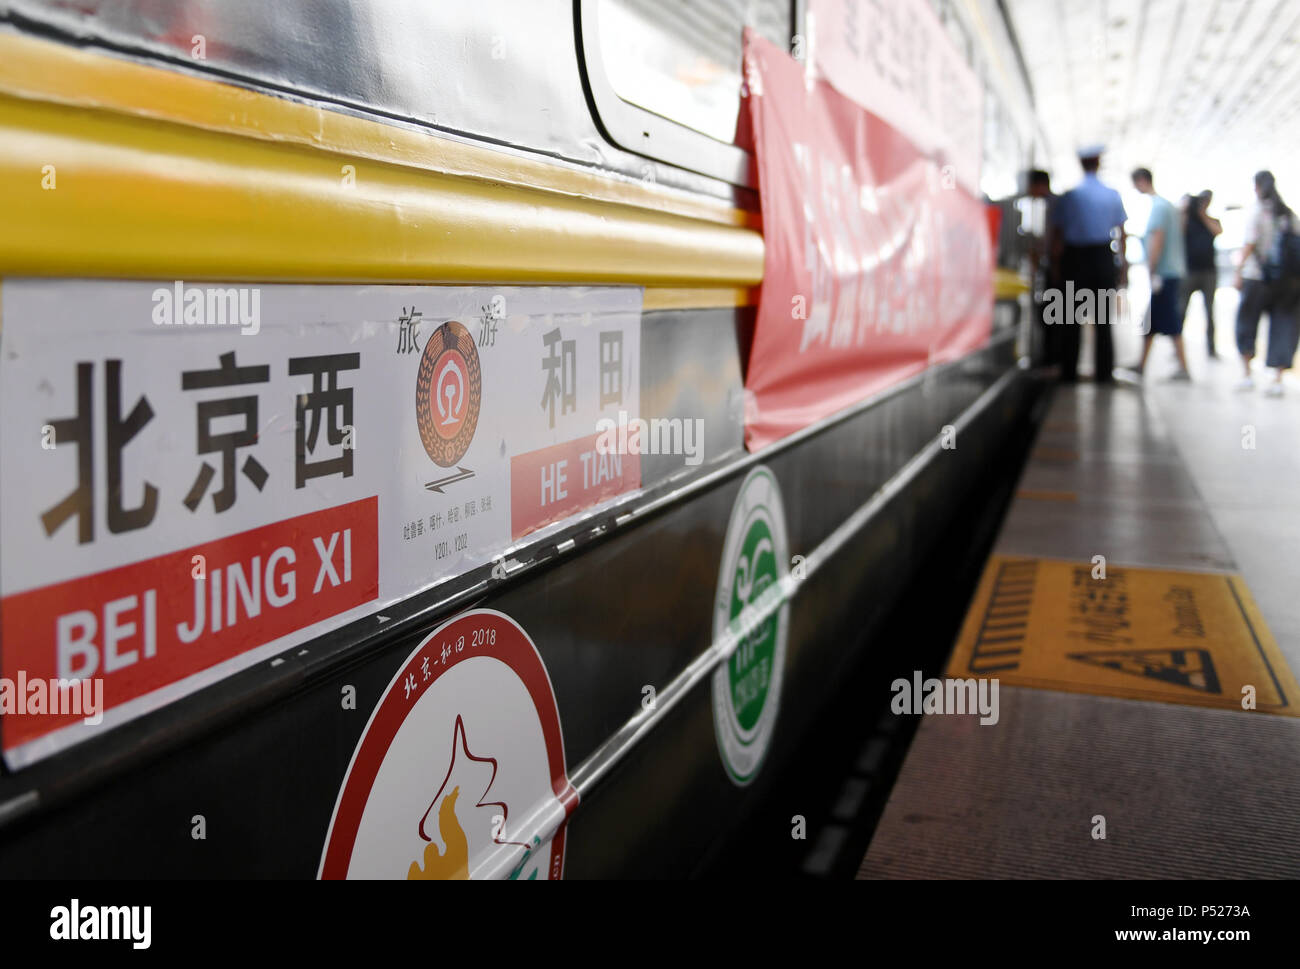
<point>1148,716</point>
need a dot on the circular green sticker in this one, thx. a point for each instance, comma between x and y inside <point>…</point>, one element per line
<point>747,687</point>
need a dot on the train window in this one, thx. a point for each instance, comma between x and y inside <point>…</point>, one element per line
<point>665,78</point>
<point>682,61</point>
<point>498,69</point>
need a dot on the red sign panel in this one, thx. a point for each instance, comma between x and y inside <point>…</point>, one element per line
<point>555,482</point>
<point>878,261</point>
<point>145,625</point>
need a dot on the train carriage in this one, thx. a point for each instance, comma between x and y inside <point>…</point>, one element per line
<point>378,395</point>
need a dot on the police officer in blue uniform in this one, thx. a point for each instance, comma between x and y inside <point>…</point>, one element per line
<point>1087,222</point>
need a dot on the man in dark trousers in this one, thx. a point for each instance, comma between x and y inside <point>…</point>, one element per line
<point>1041,266</point>
<point>1199,230</point>
<point>1087,221</point>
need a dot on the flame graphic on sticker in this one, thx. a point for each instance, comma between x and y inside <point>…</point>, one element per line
<point>453,862</point>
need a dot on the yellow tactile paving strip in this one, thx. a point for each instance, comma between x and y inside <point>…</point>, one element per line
<point>1142,634</point>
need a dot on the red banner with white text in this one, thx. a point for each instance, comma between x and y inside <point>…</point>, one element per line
<point>878,260</point>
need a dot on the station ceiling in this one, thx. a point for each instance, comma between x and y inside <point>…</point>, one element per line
<point>1203,92</point>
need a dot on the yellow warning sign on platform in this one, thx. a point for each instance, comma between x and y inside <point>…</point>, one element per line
<point>1145,634</point>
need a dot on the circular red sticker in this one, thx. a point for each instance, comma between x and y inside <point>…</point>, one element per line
<point>448,392</point>
<point>460,772</point>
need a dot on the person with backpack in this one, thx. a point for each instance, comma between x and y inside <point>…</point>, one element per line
<point>1269,280</point>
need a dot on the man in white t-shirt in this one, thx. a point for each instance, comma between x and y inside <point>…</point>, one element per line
<point>1258,239</point>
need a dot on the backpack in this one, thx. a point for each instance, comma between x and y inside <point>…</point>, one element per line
<point>1282,265</point>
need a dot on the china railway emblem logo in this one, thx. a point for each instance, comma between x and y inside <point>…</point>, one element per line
<point>747,688</point>
<point>448,392</point>
<point>460,772</point>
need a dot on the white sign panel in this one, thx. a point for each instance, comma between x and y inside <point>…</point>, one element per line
<point>198,476</point>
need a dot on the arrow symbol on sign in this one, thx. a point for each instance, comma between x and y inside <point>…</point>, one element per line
<point>451,479</point>
<point>383,619</point>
